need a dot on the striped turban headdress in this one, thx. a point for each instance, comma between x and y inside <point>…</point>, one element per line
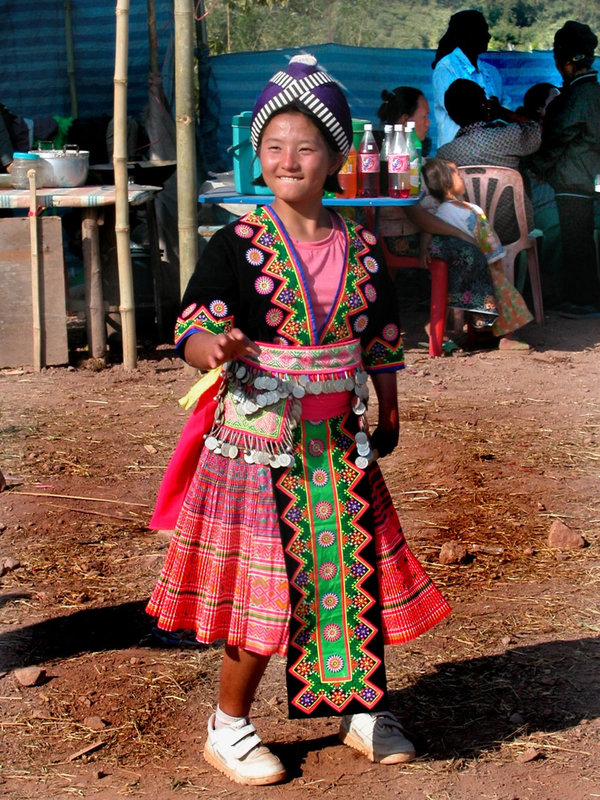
<point>311,89</point>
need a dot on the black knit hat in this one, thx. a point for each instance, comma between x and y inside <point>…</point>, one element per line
<point>574,42</point>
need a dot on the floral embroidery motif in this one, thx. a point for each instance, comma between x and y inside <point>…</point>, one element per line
<point>264,285</point>
<point>326,538</point>
<point>360,323</point>
<point>316,447</point>
<point>370,293</point>
<point>273,317</point>
<point>320,477</point>
<point>335,663</point>
<point>330,601</point>
<point>266,239</point>
<point>255,257</point>
<point>323,509</point>
<point>371,264</point>
<point>218,308</point>
<point>332,632</point>
<point>243,231</point>
<point>188,311</point>
<point>369,237</point>
<point>328,570</point>
<point>390,332</point>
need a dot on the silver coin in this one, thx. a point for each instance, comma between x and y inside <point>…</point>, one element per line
<point>225,449</point>
<point>240,372</point>
<point>363,450</point>
<point>248,458</point>
<point>303,380</point>
<point>273,383</point>
<point>211,442</point>
<point>361,437</point>
<point>233,451</point>
<point>349,384</point>
<point>359,408</point>
<point>259,382</point>
<point>362,462</point>
<point>298,391</point>
<point>261,400</point>
<point>285,459</point>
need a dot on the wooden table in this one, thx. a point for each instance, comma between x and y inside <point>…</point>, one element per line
<point>90,199</point>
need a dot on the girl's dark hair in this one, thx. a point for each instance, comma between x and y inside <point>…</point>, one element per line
<point>331,181</point>
<point>438,174</point>
<point>401,100</point>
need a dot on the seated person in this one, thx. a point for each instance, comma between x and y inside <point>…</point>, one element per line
<point>446,185</point>
<point>470,285</point>
<point>496,143</point>
<point>457,56</point>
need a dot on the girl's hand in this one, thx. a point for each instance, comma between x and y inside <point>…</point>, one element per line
<point>228,346</point>
<point>424,259</point>
<point>208,350</point>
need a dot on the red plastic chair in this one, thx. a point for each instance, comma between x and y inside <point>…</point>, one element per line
<point>438,305</point>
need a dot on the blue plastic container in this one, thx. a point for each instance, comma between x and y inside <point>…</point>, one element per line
<point>245,166</point>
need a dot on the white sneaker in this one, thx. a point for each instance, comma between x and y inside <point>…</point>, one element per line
<point>379,736</point>
<point>238,752</point>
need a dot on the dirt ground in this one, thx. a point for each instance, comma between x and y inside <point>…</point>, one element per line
<point>502,699</point>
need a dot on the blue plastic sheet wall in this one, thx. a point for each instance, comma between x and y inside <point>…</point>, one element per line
<point>363,72</point>
<point>33,79</point>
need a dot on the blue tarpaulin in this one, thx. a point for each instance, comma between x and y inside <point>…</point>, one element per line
<point>34,81</point>
<point>362,72</point>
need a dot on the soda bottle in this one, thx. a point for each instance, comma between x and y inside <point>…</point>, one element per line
<point>348,175</point>
<point>398,166</point>
<point>368,164</point>
<point>388,135</point>
<point>414,154</point>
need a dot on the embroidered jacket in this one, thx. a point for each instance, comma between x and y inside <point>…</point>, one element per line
<point>249,277</point>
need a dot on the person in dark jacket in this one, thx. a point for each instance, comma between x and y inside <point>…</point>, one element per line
<point>569,159</point>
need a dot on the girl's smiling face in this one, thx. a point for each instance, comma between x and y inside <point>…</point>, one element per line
<point>295,159</point>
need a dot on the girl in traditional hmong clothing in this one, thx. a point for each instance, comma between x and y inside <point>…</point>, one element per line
<point>286,539</point>
<point>446,185</point>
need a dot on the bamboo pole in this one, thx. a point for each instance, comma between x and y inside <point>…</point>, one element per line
<point>35,274</point>
<point>71,59</point>
<point>152,37</point>
<point>185,119</point>
<point>127,301</point>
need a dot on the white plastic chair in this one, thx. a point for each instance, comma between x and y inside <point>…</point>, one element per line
<point>485,185</point>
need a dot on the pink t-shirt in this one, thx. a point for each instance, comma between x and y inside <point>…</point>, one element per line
<point>322,265</point>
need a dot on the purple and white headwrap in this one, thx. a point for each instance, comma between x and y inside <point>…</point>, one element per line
<point>303,84</point>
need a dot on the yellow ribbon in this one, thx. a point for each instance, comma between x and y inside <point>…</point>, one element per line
<point>200,387</point>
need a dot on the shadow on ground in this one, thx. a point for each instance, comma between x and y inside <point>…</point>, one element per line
<point>459,709</point>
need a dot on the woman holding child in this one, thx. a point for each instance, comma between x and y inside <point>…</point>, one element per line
<point>470,282</point>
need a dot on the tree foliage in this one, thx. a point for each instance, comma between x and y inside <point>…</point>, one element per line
<point>237,25</point>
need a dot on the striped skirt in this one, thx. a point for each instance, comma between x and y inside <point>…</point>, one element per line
<point>225,574</point>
